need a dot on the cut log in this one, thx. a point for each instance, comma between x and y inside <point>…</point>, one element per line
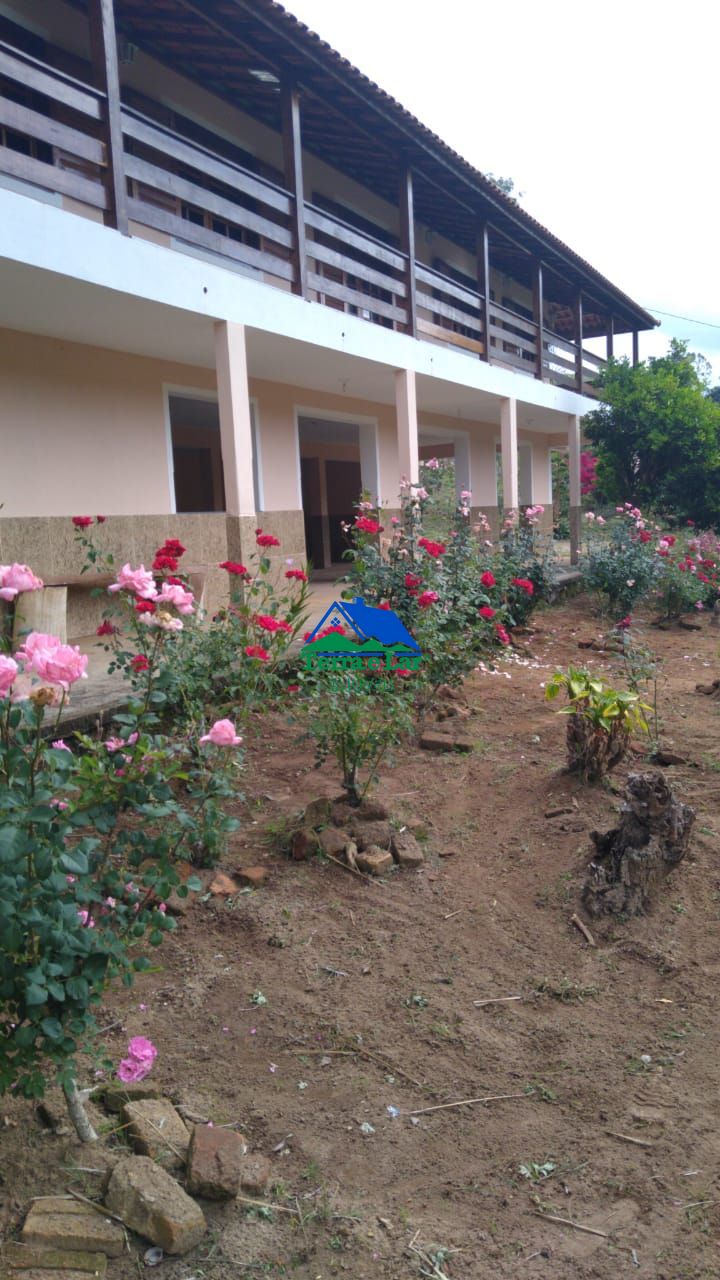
<point>633,860</point>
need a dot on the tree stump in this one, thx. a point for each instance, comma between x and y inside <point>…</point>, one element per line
<point>633,860</point>
<point>591,751</point>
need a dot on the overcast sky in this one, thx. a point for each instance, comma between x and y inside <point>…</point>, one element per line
<point>604,115</point>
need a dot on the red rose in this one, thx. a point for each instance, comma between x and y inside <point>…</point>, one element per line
<point>502,634</point>
<point>487,612</point>
<point>364,524</point>
<point>139,662</point>
<point>101,519</point>
<point>525,585</point>
<point>173,547</point>
<point>164,561</point>
<point>384,604</point>
<point>145,606</point>
<point>434,549</point>
<point>106,629</point>
<point>266,539</point>
<point>297,574</point>
<point>232,566</point>
<point>82,522</point>
<point>427,598</point>
<point>256,651</point>
<point>488,579</point>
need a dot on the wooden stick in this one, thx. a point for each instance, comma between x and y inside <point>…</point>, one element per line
<point>567,1222</point>
<point>496,1000</point>
<point>99,1208</point>
<point>580,924</point>
<point>452,913</point>
<point>262,1204</point>
<point>467,1102</point>
<point>352,870</point>
<point>626,1137</point>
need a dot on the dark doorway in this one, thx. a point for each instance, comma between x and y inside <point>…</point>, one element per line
<point>197,455</point>
<point>344,485</point>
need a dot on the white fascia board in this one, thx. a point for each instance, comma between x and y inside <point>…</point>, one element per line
<point>51,239</point>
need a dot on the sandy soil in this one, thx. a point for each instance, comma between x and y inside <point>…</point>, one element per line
<point>487,916</point>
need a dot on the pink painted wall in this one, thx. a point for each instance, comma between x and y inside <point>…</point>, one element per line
<point>83,428</point>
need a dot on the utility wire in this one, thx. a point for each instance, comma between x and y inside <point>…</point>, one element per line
<point>707,323</point>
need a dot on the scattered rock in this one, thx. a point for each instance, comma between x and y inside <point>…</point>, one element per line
<point>25,1257</point>
<point>367,834</point>
<point>304,844</point>
<point>332,841</point>
<point>647,1115</point>
<point>56,1223</point>
<point>406,850</point>
<point>155,1129</point>
<point>345,814</point>
<point>317,812</point>
<point>446,853</point>
<point>255,1174</point>
<point>115,1096</point>
<point>666,758</point>
<point>215,1162</point>
<point>254,877</point>
<point>152,1203</point>
<point>560,812</point>
<point>433,740</point>
<point>419,828</point>
<point>712,690</point>
<point>223,885</point>
<point>375,861</point>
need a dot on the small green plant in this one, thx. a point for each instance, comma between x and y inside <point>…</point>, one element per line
<point>537,1172</point>
<point>357,717</point>
<point>416,1002</point>
<point>601,720</point>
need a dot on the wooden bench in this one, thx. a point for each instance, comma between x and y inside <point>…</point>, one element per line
<point>47,610</point>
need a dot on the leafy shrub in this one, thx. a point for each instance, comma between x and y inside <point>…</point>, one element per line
<point>357,717</point>
<point>601,720</point>
<point>620,562</point>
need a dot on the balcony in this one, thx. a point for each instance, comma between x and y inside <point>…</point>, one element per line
<point>54,135</point>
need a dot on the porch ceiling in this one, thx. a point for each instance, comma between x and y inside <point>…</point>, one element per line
<point>58,306</point>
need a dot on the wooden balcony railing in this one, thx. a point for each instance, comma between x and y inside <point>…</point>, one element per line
<point>53,135</point>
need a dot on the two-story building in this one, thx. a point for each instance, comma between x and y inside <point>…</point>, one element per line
<point>239,283</point>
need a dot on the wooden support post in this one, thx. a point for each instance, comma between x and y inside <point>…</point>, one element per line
<point>579,343</point>
<point>484,276</point>
<point>292,163</point>
<point>574,455</point>
<point>407,244</point>
<point>635,347</point>
<point>611,337</point>
<point>103,47</point>
<point>538,309</point>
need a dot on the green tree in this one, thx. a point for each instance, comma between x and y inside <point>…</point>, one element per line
<point>657,435</point>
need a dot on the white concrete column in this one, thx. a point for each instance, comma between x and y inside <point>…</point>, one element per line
<point>462,466</point>
<point>542,473</point>
<point>574,450</point>
<point>509,448</point>
<point>526,486</point>
<point>407,427</point>
<point>369,466</point>
<point>235,418</point>
<point>483,469</point>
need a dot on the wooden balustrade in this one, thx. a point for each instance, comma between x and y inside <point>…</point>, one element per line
<point>52,135</point>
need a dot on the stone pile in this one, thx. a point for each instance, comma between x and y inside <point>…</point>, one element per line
<point>71,1238</point>
<point>361,836</point>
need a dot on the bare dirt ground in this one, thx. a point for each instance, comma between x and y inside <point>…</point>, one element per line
<point>618,1040</point>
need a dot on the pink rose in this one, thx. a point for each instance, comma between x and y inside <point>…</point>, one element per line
<point>15,578</point>
<point>222,734</point>
<point>130,1071</point>
<point>8,671</point>
<point>176,595</point>
<point>142,1049</point>
<point>139,581</point>
<point>57,663</point>
<point>61,745</point>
